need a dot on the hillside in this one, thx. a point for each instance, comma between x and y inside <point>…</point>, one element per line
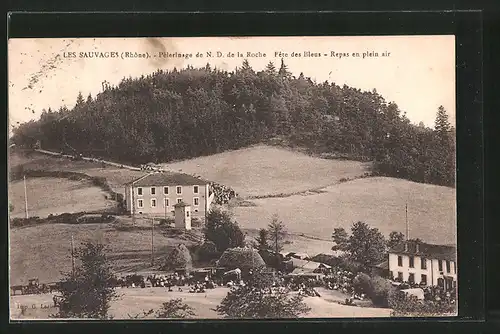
<point>264,170</point>
<point>55,196</point>
<point>44,251</point>
<point>379,202</point>
<point>180,114</point>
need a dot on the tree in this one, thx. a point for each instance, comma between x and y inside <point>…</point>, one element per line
<point>270,68</point>
<point>79,100</point>
<point>395,238</point>
<point>175,309</point>
<point>222,231</point>
<point>442,123</point>
<point>366,245</point>
<point>277,234</point>
<point>88,293</point>
<point>340,239</point>
<point>283,71</point>
<point>262,241</point>
<point>255,301</point>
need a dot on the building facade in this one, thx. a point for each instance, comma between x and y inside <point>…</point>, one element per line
<point>156,194</point>
<point>425,264</point>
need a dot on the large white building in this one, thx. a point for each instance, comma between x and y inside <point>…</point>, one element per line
<point>156,194</point>
<point>422,263</point>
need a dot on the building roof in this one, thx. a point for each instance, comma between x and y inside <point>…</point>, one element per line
<point>440,252</point>
<point>167,179</point>
<point>181,204</point>
<point>305,264</point>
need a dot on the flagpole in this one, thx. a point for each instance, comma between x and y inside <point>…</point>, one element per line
<point>25,197</point>
<point>152,242</point>
<point>72,256</point>
<point>407,225</point>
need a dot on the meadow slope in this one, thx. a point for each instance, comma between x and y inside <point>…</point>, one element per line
<point>44,251</point>
<point>265,170</point>
<point>47,195</point>
<point>377,201</point>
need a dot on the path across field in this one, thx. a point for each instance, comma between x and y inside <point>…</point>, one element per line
<point>88,159</point>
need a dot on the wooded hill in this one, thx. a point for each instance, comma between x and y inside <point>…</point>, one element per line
<point>179,114</point>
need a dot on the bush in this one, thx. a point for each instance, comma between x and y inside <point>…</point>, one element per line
<point>167,222</point>
<point>196,222</point>
<point>378,289</point>
<point>241,258</point>
<point>408,305</point>
<point>207,251</point>
<point>179,257</point>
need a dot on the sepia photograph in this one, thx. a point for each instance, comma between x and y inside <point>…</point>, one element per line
<point>232,177</point>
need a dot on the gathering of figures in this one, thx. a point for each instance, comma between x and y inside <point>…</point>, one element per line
<point>222,194</point>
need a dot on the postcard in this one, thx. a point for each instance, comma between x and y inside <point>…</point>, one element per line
<point>232,177</point>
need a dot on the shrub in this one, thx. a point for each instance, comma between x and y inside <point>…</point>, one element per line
<point>378,289</point>
<point>179,257</point>
<point>241,258</point>
<point>196,222</point>
<point>166,222</point>
<point>409,305</point>
<point>207,251</point>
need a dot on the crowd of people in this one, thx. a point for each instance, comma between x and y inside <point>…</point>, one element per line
<point>431,293</point>
<point>222,194</point>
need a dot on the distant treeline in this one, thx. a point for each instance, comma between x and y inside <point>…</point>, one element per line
<point>179,114</point>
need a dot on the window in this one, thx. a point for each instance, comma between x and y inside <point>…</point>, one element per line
<point>140,203</point>
<point>166,203</point>
<point>423,279</point>
<point>400,261</point>
<point>196,201</point>
<point>195,189</point>
<point>179,189</point>
<point>411,278</point>
<point>455,267</point>
<point>139,191</point>
<point>179,200</point>
<point>440,265</point>
<point>448,267</point>
<point>153,202</point>
<point>412,262</point>
<point>165,190</point>
<point>400,276</point>
<point>423,263</point>
<point>153,191</point>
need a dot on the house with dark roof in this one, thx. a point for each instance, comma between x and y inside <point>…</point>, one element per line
<point>156,194</point>
<point>423,263</point>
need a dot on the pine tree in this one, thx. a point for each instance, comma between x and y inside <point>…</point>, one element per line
<point>79,100</point>
<point>245,66</point>
<point>283,71</point>
<point>442,124</point>
<point>270,68</point>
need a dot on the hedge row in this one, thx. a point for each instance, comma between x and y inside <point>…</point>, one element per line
<point>64,218</point>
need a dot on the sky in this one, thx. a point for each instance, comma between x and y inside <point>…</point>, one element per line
<point>415,72</point>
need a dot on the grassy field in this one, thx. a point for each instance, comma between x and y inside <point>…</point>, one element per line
<point>136,301</point>
<point>44,251</point>
<point>378,201</point>
<point>48,195</point>
<point>117,177</point>
<point>265,170</point>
